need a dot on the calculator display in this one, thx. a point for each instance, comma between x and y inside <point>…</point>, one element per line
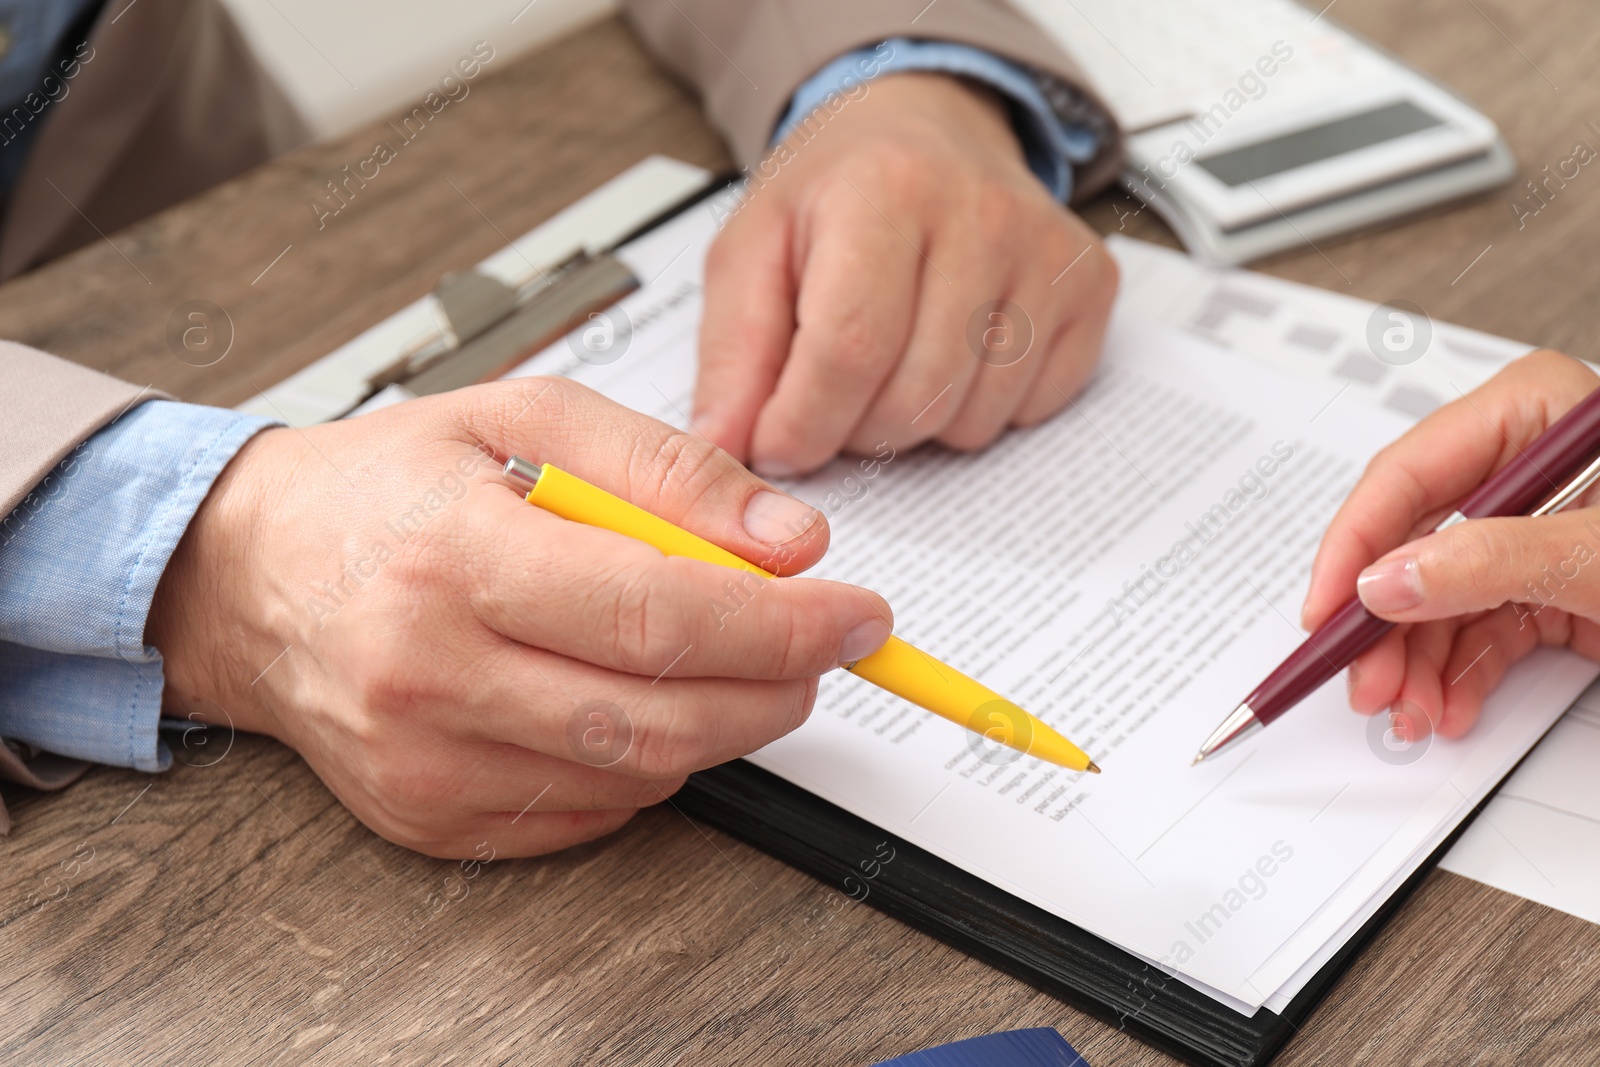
<point>1266,158</point>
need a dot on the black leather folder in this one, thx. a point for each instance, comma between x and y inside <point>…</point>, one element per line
<point>984,921</point>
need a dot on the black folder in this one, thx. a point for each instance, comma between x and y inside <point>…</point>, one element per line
<point>984,921</point>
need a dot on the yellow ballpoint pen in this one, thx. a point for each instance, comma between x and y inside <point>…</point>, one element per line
<point>897,667</point>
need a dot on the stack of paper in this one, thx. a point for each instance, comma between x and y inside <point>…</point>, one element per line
<point>1128,571</point>
<point>1540,836</point>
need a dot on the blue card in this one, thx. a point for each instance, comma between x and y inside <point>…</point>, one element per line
<point>1039,1047</point>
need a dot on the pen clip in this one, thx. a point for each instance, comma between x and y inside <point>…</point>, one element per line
<point>1570,492</point>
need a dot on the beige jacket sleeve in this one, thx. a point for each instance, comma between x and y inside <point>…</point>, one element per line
<point>162,101</point>
<point>746,58</point>
<point>48,407</point>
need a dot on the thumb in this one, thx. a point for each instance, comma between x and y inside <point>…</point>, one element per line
<point>1484,563</point>
<point>747,326</point>
<point>678,476</point>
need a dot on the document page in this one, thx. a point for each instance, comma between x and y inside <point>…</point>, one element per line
<point>1126,571</point>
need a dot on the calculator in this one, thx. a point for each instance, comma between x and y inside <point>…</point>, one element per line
<point>1259,125</point>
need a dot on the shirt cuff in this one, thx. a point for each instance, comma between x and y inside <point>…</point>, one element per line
<point>1057,127</point>
<point>80,558</point>
<point>86,707</point>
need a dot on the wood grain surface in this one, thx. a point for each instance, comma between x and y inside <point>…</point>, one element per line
<point>232,911</point>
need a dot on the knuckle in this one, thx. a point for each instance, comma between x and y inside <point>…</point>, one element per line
<point>1388,468</point>
<point>678,739</point>
<point>800,644</point>
<point>388,685</point>
<point>903,409</point>
<point>897,164</point>
<point>552,389</point>
<point>642,629</point>
<point>1486,558</point>
<point>1544,361</point>
<point>1000,215</point>
<point>542,398</point>
<point>681,468</point>
<point>846,343</point>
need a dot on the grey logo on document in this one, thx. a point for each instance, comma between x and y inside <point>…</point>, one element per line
<point>603,337</point>
<point>998,733</point>
<point>1400,737</point>
<point>199,332</point>
<point>599,733</point>
<point>1399,332</point>
<point>999,333</point>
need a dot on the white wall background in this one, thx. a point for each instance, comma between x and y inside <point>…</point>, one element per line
<point>347,62</point>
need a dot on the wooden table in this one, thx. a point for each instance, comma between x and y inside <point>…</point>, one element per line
<point>232,910</point>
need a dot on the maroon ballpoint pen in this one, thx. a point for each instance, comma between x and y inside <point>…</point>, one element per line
<point>1556,468</point>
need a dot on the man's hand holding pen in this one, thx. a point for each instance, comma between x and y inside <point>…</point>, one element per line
<point>437,650</point>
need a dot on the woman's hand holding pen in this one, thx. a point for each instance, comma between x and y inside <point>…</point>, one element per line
<point>461,668</point>
<point>1476,597</point>
<point>841,298</point>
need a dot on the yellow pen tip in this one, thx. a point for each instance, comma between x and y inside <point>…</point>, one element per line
<point>1093,767</point>
<point>1197,759</point>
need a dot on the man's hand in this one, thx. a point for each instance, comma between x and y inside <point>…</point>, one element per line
<point>460,667</point>
<point>1477,597</point>
<point>842,297</point>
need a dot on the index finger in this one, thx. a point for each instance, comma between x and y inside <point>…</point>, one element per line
<point>1437,463</point>
<point>857,300</point>
<point>677,476</point>
<point>748,322</point>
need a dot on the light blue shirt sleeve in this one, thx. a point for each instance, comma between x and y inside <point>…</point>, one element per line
<point>1059,128</point>
<point>79,561</point>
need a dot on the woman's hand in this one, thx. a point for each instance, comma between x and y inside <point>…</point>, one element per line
<point>1477,597</point>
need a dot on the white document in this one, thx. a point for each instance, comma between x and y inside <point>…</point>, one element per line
<point>1540,836</point>
<point>1127,571</point>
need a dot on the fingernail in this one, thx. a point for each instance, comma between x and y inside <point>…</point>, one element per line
<point>1400,725</point>
<point>705,422</point>
<point>777,518</point>
<point>1391,586</point>
<point>768,468</point>
<point>863,640</point>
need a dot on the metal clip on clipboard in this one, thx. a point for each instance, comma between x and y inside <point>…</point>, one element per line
<point>489,326</point>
